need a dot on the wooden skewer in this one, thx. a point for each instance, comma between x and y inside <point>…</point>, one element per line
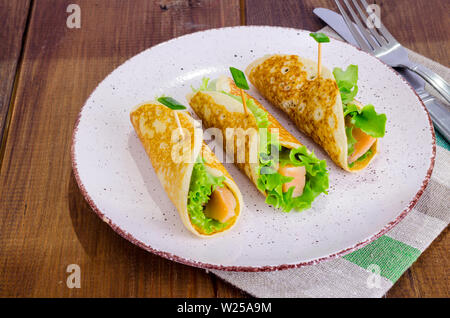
<point>319,62</point>
<point>179,124</point>
<point>243,101</point>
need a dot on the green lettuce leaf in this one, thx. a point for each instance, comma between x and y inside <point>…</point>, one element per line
<point>351,141</point>
<point>364,156</point>
<point>202,185</point>
<point>271,182</point>
<point>203,86</point>
<point>367,119</point>
<point>350,108</point>
<point>346,81</point>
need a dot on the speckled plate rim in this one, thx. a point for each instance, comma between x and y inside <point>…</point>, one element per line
<point>193,263</point>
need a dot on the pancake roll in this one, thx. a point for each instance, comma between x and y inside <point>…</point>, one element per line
<point>207,199</point>
<point>323,107</point>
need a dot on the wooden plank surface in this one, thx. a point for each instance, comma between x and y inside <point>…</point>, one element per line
<point>422,26</point>
<point>45,224</point>
<point>13,17</point>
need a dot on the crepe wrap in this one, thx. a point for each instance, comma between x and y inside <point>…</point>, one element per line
<point>157,129</point>
<point>214,114</point>
<point>313,103</point>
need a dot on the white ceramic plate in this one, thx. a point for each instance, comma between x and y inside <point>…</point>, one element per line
<point>118,181</point>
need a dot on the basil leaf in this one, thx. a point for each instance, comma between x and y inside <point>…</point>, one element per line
<point>171,103</point>
<point>239,78</point>
<point>320,37</point>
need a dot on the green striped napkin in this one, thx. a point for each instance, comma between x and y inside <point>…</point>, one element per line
<point>373,269</point>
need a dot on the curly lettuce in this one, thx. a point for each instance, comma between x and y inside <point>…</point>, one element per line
<point>366,119</point>
<point>346,81</point>
<point>271,181</point>
<point>201,187</point>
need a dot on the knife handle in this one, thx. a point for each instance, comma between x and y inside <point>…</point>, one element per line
<point>438,83</point>
<point>439,113</point>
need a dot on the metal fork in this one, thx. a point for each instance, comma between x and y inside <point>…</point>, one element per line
<point>383,45</point>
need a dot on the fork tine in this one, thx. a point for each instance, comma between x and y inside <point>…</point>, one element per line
<point>382,29</point>
<point>361,27</point>
<point>375,34</point>
<point>362,43</point>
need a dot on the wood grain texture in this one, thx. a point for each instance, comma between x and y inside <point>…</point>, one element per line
<point>422,26</point>
<point>13,17</point>
<point>45,223</point>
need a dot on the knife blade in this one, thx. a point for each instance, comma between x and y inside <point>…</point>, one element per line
<point>337,23</point>
<point>439,113</point>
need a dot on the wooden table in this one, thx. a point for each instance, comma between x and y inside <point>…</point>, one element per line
<point>48,71</point>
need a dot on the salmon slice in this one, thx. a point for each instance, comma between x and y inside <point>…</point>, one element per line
<point>298,173</point>
<point>362,145</point>
<point>221,205</point>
